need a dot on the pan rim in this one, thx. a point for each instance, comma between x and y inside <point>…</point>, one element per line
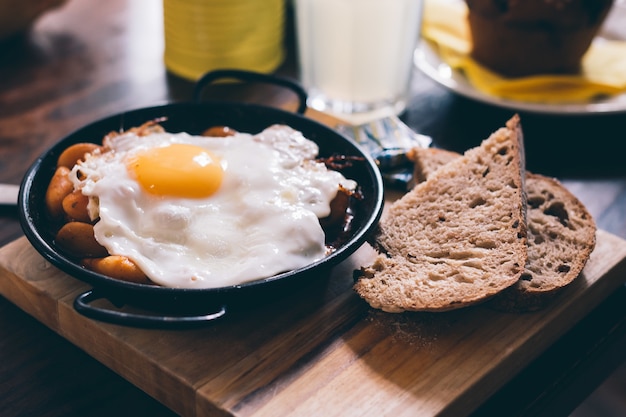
<point>43,245</point>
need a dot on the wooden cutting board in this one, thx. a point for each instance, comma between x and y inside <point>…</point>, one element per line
<point>320,352</point>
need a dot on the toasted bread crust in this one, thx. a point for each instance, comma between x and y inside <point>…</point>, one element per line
<point>561,236</point>
<point>458,238</point>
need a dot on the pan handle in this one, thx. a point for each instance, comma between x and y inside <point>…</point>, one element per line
<point>83,306</point>
<point>250,76</point>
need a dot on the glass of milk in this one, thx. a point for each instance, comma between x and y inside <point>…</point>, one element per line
<point>356,56</point>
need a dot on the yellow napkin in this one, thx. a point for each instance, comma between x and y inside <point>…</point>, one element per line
<point>603,67</point>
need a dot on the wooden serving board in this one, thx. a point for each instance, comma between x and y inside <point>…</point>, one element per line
<point>320,352</point>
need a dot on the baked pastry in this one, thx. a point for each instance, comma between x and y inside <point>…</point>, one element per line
<point>561,236</point>
<point>457,238</point>
<point>526,37</point>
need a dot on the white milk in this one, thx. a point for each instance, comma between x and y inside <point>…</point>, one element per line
<point>356,55</point>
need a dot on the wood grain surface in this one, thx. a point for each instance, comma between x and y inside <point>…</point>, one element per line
<point>320,351</point>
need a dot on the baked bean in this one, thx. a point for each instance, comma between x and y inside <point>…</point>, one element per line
<point>117,267</point>
<point>149,127</point>
<point>71,155</point>
<point>60,186</point>
<point>75,206</point>
<point>77,238</point>
<point>338,209</point>
<point>219,131</point>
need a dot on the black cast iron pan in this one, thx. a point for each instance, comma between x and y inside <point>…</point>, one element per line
<point>161,306</point>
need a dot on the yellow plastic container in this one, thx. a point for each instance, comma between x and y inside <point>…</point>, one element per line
<point>204,35</point>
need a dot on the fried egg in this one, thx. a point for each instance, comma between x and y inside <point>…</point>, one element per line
<point>207,212</point>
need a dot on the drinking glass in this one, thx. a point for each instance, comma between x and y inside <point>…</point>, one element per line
<point>356,56</point>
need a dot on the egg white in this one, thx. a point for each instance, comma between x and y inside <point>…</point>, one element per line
<point>263,219</point>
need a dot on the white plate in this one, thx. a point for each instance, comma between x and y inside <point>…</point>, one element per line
<point>430,63</point>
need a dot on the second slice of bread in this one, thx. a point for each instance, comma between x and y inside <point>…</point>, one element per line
<point>561,236</point>
<point>458,238</point>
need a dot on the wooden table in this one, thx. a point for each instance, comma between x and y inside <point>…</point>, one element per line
<point>87,60</point>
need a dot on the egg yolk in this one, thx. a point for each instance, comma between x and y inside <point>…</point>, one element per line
<point>177,170</point>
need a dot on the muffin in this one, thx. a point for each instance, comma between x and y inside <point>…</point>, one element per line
<point>526,37</point>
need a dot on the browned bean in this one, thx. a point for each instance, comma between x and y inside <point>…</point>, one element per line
<point>219,131</point>
<point>149,127</point>
<point>60,186</point>
<point>118,267</point>
<point>75,206</point>
<point>71,155</point>
<point>77,239</point>
<point>338,209</point>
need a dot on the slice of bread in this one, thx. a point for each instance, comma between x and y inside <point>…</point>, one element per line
<point>428,160</point>
<point>457,238</point>
<point>561,236</point>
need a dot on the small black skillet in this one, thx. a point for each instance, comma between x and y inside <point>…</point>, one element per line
<point>176,307</point>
